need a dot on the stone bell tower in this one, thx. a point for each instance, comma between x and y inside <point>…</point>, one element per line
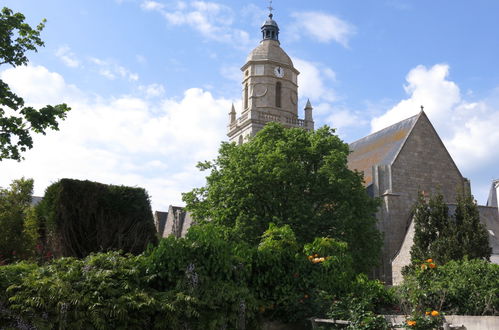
<point>269,89</point>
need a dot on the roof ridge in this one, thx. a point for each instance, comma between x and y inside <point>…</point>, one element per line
<point>387,127</point>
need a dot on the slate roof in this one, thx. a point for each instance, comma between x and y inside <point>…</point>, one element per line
<point>379,148</point>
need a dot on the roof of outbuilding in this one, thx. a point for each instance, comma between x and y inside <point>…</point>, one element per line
<point>379,148</point>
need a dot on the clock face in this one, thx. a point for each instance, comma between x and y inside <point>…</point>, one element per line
<point>279,72</point>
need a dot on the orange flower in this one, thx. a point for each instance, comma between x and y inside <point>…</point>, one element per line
<point>435,313</point>
<point>429,260</point>
<point>423,266</point>
<point>316,255</point>
<point>427,313</point>
<point>411,323</point>
<point>310,257</point>
<point>432,265</point>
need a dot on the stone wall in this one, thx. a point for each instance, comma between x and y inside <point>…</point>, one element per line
<point>423,164</point>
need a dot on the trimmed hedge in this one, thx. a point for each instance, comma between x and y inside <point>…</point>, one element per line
<point>80,217</point>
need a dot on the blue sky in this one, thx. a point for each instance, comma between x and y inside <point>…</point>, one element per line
<point>151,82</point>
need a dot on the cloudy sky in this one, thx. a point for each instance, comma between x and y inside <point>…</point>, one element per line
<point>150,83</point>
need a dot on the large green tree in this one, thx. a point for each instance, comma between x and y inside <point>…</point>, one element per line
<point>444,236</point>
<point>289,177</point>
<point>17,121</point>
<point>17,221</point>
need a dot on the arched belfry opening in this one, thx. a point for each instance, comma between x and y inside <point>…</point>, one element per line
<point>278,92</point>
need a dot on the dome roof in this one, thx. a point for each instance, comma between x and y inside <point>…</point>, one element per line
<point>269,22</point>
<point>270,50</point>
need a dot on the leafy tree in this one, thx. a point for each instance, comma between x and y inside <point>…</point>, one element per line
<point>444,237</point>
<point>17,221</point>
<point>470,234</point>
<point>17,121</point>
<point>289,177</point>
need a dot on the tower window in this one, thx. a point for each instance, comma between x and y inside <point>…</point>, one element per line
<point>278,94</point>
<point>246,96</point>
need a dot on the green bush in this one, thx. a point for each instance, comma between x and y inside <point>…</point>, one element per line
<point>81,217</point>
<point>209,268</point>
<point>102,291</point>
<point>362,304</point>
<point>293,283</point>
<point>465,287</point>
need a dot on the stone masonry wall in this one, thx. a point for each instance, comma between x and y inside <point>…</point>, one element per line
<point>423,164</point>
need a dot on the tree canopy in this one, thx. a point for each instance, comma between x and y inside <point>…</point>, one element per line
<point>17,121</point>
<point>289,177</point>
<point>17,221</point>
<point>444,236</point>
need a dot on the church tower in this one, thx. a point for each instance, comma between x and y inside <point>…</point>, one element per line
<point>269,89</point>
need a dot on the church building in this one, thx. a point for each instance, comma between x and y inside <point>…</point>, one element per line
<point>397,162</point>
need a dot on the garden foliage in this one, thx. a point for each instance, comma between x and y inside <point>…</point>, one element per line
<point>203,281</point>
<point>464,287</point>
<point>77,218</point>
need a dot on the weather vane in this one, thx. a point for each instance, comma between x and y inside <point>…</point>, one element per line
<point>270,7</point>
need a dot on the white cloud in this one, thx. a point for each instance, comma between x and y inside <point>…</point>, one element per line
<point>65,54</point>
<point>111,70</point>
<point>153,90</point>
<point>151,5</point>
<point>468,129</point>
<point>314,79</point>
<point>212,20</point>
<point>127,140</point>
<point>427,87</point>
<point>322,27</point>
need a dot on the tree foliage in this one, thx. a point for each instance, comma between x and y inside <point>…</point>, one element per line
<point>17,221</point>
<point>16,120</point>
<point>289,177</point>
<point>443,236</point>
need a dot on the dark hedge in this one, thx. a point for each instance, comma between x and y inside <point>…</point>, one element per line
<point>80,217</point>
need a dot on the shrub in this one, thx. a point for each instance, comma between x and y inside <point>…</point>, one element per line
<point>102,291</point>
<point>209,268</point>
<point>81,217</point>
<point>362,304</point>
<point>466,287</point>
<point>292,283</point>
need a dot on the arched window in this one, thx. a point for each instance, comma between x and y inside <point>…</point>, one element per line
<point>278,94</point>
<point>246,96</point>
<point>240,140</point>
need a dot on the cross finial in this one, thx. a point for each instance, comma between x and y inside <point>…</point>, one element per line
<point>422,108</point>
<point>270,7</point>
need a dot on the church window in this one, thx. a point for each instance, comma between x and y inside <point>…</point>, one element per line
<point>278,94</point>
<point>240,140</point>
<point>246,96</point>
